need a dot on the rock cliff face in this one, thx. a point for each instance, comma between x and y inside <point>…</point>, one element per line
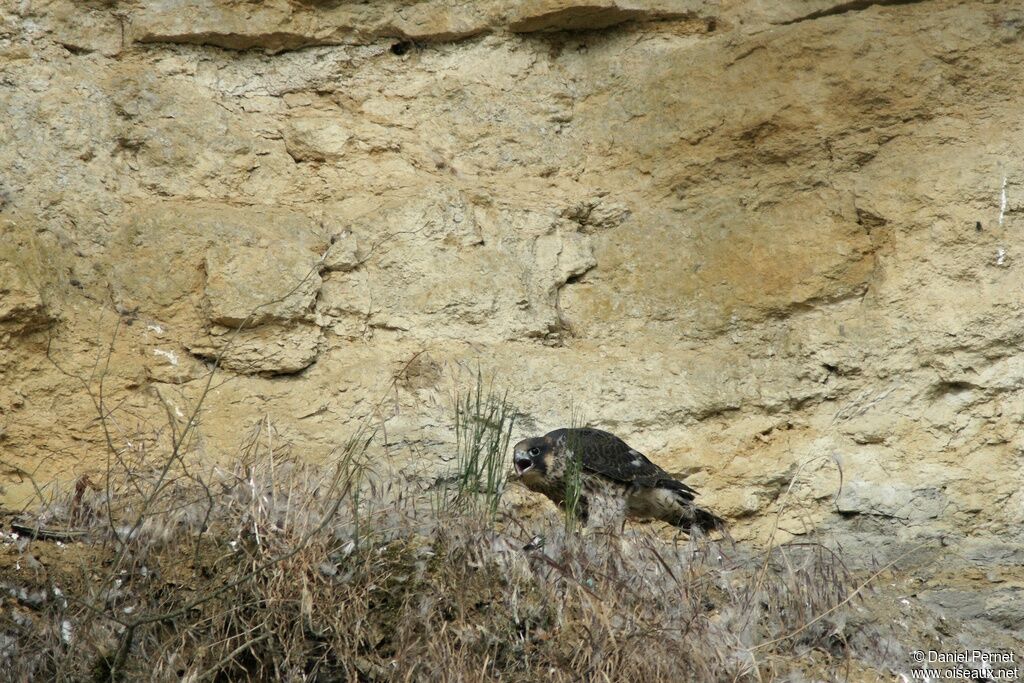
<point>765,242</point>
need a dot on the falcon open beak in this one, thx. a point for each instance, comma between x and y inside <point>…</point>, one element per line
<point>523,463</point>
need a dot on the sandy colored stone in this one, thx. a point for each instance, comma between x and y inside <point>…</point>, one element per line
<point>343,254</point>
<point>252,285</point>
<point>429,265</point>
<point>276,25</point>
<point>345,294</point>
<point>883,499</point>
<point>83,30</point>
<point>316,139</point>
<point>30,277</point>
<point>268,349</point>
<point>162,250</point>
<point>272,25</point>
<point>21,307</point>
<point>443,21</point>
<point>172,364</point>
<point>574,15</point>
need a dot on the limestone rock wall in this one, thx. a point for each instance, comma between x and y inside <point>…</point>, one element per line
<point>760,240</point>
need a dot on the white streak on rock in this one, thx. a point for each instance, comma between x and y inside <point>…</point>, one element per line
<point>171,357</point>
<point>1002,202</point>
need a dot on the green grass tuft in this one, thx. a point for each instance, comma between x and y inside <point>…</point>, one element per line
<point>483,428</point>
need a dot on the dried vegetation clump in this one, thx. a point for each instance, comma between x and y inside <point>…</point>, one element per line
<point>278,569</point>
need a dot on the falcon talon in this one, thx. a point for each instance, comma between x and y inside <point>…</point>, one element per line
<point>615,481</point>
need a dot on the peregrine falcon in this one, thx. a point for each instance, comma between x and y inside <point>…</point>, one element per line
<point>615,481</point>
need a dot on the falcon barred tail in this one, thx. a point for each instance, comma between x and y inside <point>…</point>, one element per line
<point>616,481</point>
<point>684,513</point>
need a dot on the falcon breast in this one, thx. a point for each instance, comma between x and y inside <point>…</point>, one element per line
<point>611,475</point>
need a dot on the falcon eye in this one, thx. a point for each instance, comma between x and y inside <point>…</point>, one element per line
<point>534,451</point>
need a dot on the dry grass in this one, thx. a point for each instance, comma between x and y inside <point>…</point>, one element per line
<point>280,570</point>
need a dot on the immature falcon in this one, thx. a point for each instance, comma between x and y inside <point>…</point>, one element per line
<point>615,481</point>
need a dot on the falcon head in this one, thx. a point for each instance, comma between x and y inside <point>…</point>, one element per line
<point>532,456</point>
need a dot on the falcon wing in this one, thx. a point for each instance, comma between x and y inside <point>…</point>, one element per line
<point>610,456</point>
